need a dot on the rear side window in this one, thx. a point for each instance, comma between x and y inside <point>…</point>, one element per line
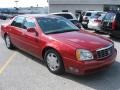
<point>18,22</point>
<point>88,14</point>
<point>67,16</point>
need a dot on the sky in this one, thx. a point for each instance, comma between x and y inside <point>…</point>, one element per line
<point>22,3</point>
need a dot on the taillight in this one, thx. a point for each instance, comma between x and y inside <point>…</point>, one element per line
<point>114,25</point>
<point>85,18</point>
<point>98,21</point>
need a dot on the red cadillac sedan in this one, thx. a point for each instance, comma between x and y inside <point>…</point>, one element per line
<point>58,42</point>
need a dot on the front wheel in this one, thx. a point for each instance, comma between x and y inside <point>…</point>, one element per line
<point>54,62</point>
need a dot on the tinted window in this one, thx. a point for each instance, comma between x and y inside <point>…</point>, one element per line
<point>88,14</point>
<point>29,23</point>
<point>64,10</point>
<point>55,24</point>
<point>68,16</point>
<point>75,22</point>
<point>118,17</point>
<point>18,22</point>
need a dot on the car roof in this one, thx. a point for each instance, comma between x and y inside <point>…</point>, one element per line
<point>38,15</point>
<point>94,11</point>
<point>114,12</point>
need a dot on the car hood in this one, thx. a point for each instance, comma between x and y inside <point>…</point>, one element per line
<point>82,39</point>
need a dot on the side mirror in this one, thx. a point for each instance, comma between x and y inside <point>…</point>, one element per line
<point>32,30</point>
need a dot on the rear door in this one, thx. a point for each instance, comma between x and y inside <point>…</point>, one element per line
<point>107,21</point>
<point>111,20</point>
<point>16,31</point>
<point>117,19</point>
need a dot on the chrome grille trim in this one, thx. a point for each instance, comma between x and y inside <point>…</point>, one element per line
<point>104,52</point>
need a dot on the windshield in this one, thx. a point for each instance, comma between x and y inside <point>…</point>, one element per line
<point>53,24</point>
<point>102,16</point>
<point>97,15</point>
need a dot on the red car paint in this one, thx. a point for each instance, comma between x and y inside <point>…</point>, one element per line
<point>65,43</point>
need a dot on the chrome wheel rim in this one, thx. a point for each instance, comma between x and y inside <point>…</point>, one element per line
<point>7,41</point>
<point>52,61</point>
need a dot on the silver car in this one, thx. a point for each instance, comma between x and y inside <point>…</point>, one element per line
<point>95,22</point>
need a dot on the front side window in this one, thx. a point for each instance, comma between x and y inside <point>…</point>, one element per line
<point>29,23</point>
<point>56,25</point>
<point>18,22</point>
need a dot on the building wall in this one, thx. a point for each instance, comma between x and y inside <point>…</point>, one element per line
<point>84,5</point>
<point>72,7</point>
<point>114,2</point>
<point>34,10</point>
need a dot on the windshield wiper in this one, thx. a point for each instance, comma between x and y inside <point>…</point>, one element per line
<point>54,32</point>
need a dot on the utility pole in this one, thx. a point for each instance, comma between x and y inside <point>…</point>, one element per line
<point>16,2</point>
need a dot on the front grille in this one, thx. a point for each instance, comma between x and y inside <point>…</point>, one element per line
<point>104,52</point>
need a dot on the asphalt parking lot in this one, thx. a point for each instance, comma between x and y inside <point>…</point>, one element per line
<point>21,71</point>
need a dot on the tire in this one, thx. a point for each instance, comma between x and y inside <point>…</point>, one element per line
<point>54,62</point>
<point>111,35</point>
<point>8,42</point>
<point>96,31</point>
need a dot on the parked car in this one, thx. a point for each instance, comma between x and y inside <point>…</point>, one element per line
<point>95,22</point>
<point>87,15</point>
<point>69,16</point>
<point>58,42</point>
<point>3,17</point>
<point>111,24</point>
<point>76,22</point>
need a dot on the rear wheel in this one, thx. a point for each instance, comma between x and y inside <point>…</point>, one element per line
<point>8,42</point>
<point>54,62</point>
<point>97,31</point>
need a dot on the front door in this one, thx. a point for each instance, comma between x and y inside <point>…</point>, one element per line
<point>31,39</point>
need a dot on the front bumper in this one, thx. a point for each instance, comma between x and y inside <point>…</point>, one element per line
<point>88,67</point>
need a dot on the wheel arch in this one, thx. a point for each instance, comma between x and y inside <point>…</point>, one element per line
<point>5,34</point>
<point>47,48</point>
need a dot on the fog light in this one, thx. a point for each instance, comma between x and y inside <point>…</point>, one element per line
<point>74,70</point>
<point>71,68</point>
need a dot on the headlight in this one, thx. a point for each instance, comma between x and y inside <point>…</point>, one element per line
<point>82,54</point>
